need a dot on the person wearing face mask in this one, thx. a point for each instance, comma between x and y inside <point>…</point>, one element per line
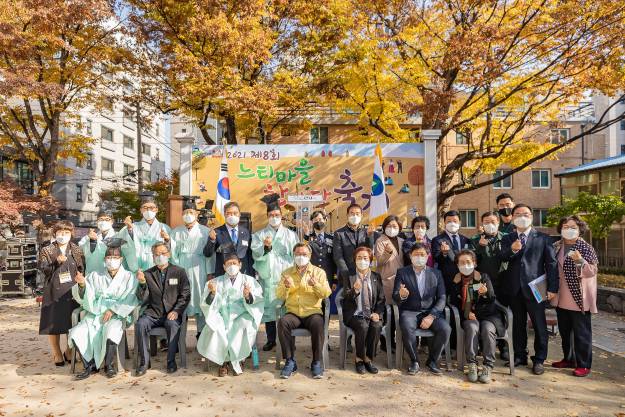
<point>233,306</point>
<point>272,250</point>
<point>530,254</point>
<point>447,245</point>
<point>388,254</point>
<point>142,235</point>
<point>302,287</point>
<point>419,292</point>
<point>187,251</point>
<point>475,298</point>
<point>577,298</point>
<point>164,292</point>
<point>60,262</point>
<point>419,226</point>
<point>321,243</point>
<point>94,245</point>
<point>505,204</point>
<point>363,306</point>
<point>231,237</point>
<point>108,298</point>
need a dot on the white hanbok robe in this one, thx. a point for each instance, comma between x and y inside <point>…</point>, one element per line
<point>144,236</point>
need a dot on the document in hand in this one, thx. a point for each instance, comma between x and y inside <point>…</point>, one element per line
<point>539,288</point>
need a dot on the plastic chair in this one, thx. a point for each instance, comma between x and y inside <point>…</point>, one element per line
<point>325,354</point>
<point>77,315</point>
<point>345,331</point>
<point>399,348</point>
<point>507,337</point>
<point>161,333</point>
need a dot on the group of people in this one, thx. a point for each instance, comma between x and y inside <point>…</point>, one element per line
<point>232,280</point>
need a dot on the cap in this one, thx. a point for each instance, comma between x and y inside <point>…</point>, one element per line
<point>114,242</point>
<point>272,202</point>
<point>189,202</point>
<point>147,196</point>
<point>209,204</point>
<point>105,212</point>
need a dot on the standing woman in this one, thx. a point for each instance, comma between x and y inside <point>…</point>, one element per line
<point>577,297</point>
<point>59,262</point>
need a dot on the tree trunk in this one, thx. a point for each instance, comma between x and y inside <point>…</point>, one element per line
<point>231,130</point>
<point>206,137</point>
<point>47,170</point>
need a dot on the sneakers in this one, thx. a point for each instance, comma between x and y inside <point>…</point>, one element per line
<point>289,367</point>
<point>472,375</point>
<point>563,364</point>
<point>581,372</point>
<point>484,377</point>
<point>316,369</point>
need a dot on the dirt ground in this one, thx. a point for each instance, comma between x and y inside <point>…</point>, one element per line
<point>30,385</point>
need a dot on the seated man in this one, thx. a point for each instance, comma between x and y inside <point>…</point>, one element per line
<point>164,291</point>
<point>302,287</point>
<point>419,291</point>
<point>108,297</point>
<point>233,307</point>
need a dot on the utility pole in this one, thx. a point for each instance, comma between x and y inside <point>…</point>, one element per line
<point>139,147</point>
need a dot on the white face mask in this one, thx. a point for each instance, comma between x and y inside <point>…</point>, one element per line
<point>161,260</point>
<point>570,234</point>
<point>490,228</point>
<point>188,218</point>
<point>301,260</point>
<point>62,239</point>
<point>362,264</point>
<point>232,270</point>
<point>522,222</point>
<point>232,220</point>
<point>419,233</point>
<point>149,215</point>
<point>391,231</point>
<point>419,261</point>
<point>354,219</point>
<point>275,221</point>
<point>466,269</point>
<point>105,225</point>
<point>452,227</point>
<point>113,264</point>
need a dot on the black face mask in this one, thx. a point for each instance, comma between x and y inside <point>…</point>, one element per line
<point>505,212</point>
<point>319,225</point>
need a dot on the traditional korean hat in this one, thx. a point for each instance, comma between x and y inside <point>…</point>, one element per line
<point>272,202</point>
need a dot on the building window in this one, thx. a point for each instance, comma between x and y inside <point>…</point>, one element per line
<point>108,165</point>
<point>504,182</point>
<point>128,169</point>
<point>539,217</point>
<point>90,194</point>
<point>462,138</point>
<point>129,143</point>
<point>128,118</point>
<point>622,149</point>
<point>89,161</point>
<point>106,133</point>
<point>622,124</point>
<point>286,131</point>
<point>145,149</point>
<point>78,193</point>
<point>541,178</point>
<point>558,136</point>
<point>158,154</point>
<point>319,134</point>
<point>24,177</point>
<point>146,174</point>
<point>88,126</point>
<point>157,128</point>
<point>468,219</point>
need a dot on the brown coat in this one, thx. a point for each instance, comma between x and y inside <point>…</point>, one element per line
<point>388,262</point>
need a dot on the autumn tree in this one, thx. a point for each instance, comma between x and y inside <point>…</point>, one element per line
<point>57,58</point>
<point>14,203</point>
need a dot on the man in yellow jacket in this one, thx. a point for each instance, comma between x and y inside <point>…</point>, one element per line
<point>302,287</point>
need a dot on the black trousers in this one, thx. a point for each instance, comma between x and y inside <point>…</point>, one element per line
<point>577,324</point>
<point>408,322</point>
<point>270,329</point>
<point>109,356</point>
<point>142,329</point>
<point>366,335</point>
<point>521,307</point>
<point>312,323</point>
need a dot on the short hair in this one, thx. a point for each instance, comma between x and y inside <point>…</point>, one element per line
<point>502,196</point>
<point>520,205</point>
<point>421,219</point>
<point>389,219</point>
<point>363,249</point>
<point>583,227</point>
<point>417,246</point>
<point>115,251</point>
<point>63,225</point>
<point>229,205</point>
<point>230,256</point>
<point>451,213</point>
<point>466,252</point>
<point>489,213</point>
<point>351,206</point>
<point>159,244</point>
<point>318,212</point>
<point>302,245</point>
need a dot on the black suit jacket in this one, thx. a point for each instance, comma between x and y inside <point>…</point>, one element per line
<point>536,258</point>
<point>433,299</point>
<point>223,245</point>
<point>174,296</point>
<point>350,296</point>
<point>343,251</point>
<point>447,263</point>
<point>322,254</point>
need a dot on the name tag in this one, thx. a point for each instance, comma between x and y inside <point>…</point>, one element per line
<point>173,281</point>
<point>477,287</point>
<point>65,277</point>
<point>244,243</point>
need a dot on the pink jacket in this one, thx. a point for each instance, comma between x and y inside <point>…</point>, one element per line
<point>564,299</point>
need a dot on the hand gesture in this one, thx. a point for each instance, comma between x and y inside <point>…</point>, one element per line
<point>311,281</point>
<point>80,279</point>
<point>128,222</point>
<point>403,291</point>
<point>334,287</point>
<point>480,230</point>
<point>472,316</point>
<point>92,235</point>
<point>427,322</point>
<point>370,229</point>
<point>246,290</point>
<point>575,255</point>
<point>517,245</point>
<point>140,277</point>
<point>482,290</point>
<point>288,282</point>
<point>305,228</point>
<point>212,235</point>
<point>61,258</point>
<point>172,315</point>
<point>388,248</point>
<point>212,287</point>
<point>164,235</point>
<point>444,247</point>
<point>107,316</point>
<point>358,284</point>
<point>267,242</point>
<point>483,241</point>
<point>375,317</point>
